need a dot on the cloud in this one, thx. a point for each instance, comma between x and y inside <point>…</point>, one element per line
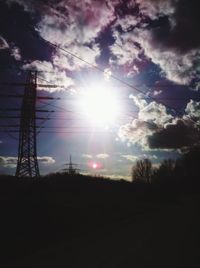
<point>75,29</point>
<point>8,161</point>
<point>177,28</point>
<point>176,66</point>
<point>193,109</point>
<point>167,35</point>
<point>137,132</point>
<point>89,156</point>
<point>127,22</point>
<point>72,24</point>
<point>11,162</point>
<point>131,158</point>
<point>134,71</point>
<point>157,92</point>
<point>139,101</point>
<point>134,158</point>
<point>156,129</point>
<point>46,160</point>
<point>181,68</point>
<point>124,50</point>
<point>118,177</point>
<point>14,50</point>
<point>27,5</point>
<point>152,112</point>
<point>179,134</point>
<point>3,43</point>
<point>65,61</point>
<point>102,156</point>
<point>107,74</point>
<point>149,156</point>
<point>77,23</point>
<point>155,8</point>
<point>16,53</point>
<point>165,31</point>
<point>155,113</point>
<point>50,75</point>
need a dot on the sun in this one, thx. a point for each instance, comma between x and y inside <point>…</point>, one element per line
<point>100,105</point>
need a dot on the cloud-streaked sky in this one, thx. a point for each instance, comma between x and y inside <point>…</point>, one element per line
<point>144,55</point>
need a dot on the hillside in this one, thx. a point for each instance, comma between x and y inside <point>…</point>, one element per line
<point>80,221</point>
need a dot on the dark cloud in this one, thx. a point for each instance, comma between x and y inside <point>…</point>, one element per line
<point>151,117</point>
<point>177,23</point>
<point>137,132</point>
<point>156,8</point>
<point>185,34</point>
<point>166,31</point>
<point>174,136</point>
<point>178,30</point>
<point>155,128</point>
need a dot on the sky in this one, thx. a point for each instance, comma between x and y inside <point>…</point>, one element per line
<point>126,77</point>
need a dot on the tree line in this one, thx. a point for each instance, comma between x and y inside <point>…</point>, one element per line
<point>170,170</point>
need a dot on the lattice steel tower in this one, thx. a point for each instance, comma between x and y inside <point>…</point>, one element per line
<point>71,170</point>
<point>27,164</point>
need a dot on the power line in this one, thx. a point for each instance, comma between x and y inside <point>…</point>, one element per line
<point>17,110</point>
<point>117,79</point>
<point>18,117</point>
<point>62,132</point>
<point>94,66</point>
<point>102,70</point>
<point>24,85</point>
<point>50,127</point>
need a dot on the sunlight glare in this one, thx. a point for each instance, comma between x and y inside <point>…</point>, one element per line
<point>100,105</point>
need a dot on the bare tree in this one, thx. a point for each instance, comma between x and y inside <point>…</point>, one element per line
<point>167,166</point>
<point>165,171</point>
<point>142,171</point>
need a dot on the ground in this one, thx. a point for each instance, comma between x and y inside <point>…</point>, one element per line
<point>89,224</point>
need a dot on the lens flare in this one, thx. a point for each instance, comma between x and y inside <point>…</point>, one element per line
<point>94,165</point>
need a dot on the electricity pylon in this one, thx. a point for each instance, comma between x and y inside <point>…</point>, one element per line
<point>27,164</point>
<point>71,170</point>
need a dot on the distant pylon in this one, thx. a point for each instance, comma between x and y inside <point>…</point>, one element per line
<point>71,170</point>
<point>27,164</point>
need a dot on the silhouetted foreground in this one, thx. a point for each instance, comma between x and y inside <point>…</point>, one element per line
<point>79,221</point>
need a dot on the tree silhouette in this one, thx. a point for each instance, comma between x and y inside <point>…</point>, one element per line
<point>188,165</point>
<point>165,172</point>
<point>142,171</point>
